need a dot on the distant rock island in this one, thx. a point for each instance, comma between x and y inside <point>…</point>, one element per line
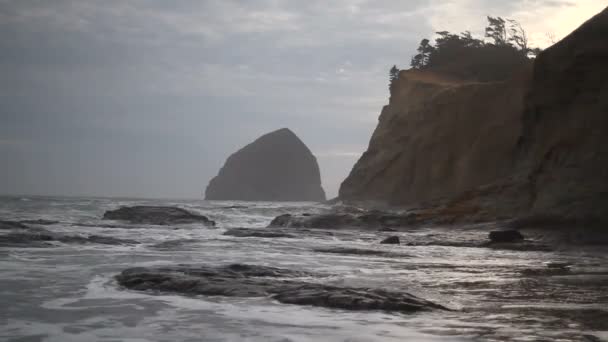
<point>535,144</point>
<point>276,167</point>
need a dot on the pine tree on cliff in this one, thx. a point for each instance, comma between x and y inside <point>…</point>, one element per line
<point>425,50</point>
<point>393,76</point>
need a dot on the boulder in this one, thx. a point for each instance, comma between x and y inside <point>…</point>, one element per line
<point>391,240</point>
<point>283,285</point>
<point>505,236</point>
<point>276,167</point>
<point>156,215</point>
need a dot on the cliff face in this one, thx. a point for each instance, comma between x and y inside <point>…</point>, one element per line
<point>536,143</point>
<point>275,167</point>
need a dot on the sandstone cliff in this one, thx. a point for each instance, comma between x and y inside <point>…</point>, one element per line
<point>534,144</point>
<point>275,167</point>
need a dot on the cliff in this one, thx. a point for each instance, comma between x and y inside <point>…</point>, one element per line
<point>535,144</point>
<point>276,167</point>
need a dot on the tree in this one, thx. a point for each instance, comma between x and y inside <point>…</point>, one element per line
<point>497,31</point>
<point>425,49</point>
<point>393,77</point>
<point>519,37</point>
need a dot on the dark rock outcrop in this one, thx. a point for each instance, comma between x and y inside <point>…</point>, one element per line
<point>391,240</point>
<point>259,233</point>
<point>534,145</point>
<point>156,215</point>
<point>261,281</point>
<point>276,167</point>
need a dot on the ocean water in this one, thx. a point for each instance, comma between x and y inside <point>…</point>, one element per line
<point>67,292</point>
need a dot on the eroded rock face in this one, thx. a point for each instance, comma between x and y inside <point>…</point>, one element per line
<point>259,281</point>
<point>156,215</point>
<point>536,144</point>
<point>275,167</point>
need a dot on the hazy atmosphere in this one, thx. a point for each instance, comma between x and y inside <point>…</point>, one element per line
<point>148,98</point>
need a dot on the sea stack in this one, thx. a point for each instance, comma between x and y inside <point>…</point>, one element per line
<point>276,167</point>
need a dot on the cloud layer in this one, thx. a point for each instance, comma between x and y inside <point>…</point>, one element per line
<point>148,97</point>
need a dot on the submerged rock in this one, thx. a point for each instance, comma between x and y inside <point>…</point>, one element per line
<point>505,236</point>
<point>275,167</point>
<point>391,240</point>
<point>239,280</point>
<point>156,215</point>
<point>244,232</point>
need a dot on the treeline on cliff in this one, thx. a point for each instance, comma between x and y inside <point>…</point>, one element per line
<point>504,49</point>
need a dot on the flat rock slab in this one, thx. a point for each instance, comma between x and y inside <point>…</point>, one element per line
<point>259,233</point>
<point>156,215</point>
<point>283,285</point>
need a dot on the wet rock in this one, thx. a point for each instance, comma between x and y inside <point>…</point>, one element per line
<point>505,236</point>
<point>235,207</point>
<point>243,232</point>
<point>259,281</point>
<point>33,240</point>
<point>387,229</point>
<point>281,221</point>
<point>8,225</point>
<point>40,222</point>
<point>359,251</point>
<point>156,215</point>
<point>391,240</point>
<point>174,244</point>
<point>342,220</point>
<point>95,239</point>
<point>354,298</point>
<point>45,239</point>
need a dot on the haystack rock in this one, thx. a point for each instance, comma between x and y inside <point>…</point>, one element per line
<point>276,167</point>
<point>534,144</point>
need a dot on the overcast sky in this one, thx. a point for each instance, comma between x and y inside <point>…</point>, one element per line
<point>147,98</point>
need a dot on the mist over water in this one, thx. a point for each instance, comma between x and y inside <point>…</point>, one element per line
<point>68,293</point>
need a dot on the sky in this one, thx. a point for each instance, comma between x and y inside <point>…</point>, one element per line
<point>147,98</point>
